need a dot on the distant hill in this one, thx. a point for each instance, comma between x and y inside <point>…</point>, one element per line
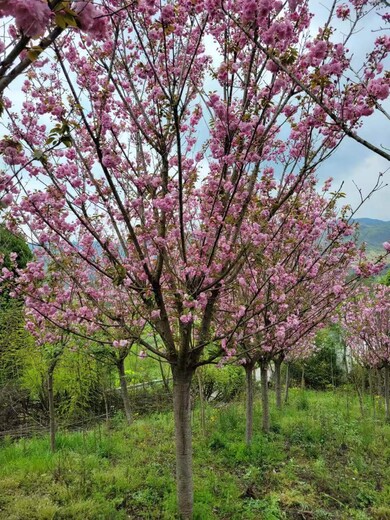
<point>374,232</point>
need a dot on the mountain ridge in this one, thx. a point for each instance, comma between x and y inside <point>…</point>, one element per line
<point>373,232</point>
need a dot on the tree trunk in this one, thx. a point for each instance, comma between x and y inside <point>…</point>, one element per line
<point>183,435</point>
<point>303,378</point>
<point>249,403</point>
<point>360,397</point>
<point>201,403</point>
<point>345,361</point>
<point>278,383</point>
<point>52,419</point>
<point>287,383</point>
<point>264,396</point>
<point>372,391</point>
<point>387,394</point>
<point>106,409</point>
<point>379,382</point>
<point>165,378</point>
<point>124,390</point>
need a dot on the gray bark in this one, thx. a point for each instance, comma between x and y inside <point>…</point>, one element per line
<point>372,391</point>
<point>164,377</point>
<point>379,381</point>
<point>278,383</point>
<point>124,390</point>
<point>249,403</point>
<point>287,386</point>
<point>52,419</point>
<point>360,397</point>
<point>264,397</point>
<point>358,387</point>
<point>387,393</point>
<point>183,435</point>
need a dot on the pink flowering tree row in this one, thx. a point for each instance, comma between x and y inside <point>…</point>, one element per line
<point>291,284</point>
<point>367,324</point>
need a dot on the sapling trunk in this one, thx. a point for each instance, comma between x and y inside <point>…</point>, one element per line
<point>183,435</point>
<point>52,419</point>
<point>379,382</point>
<point>264,396</point>
<point>387,394</point>
<point>164,377</point>
<point>106,408</point>
<point>360,397</point>
<point>249,403</point>
<point>345,361</point>
<point>124,390</point>
<point>372,391</point>
<point>278,383</point>
<point>303,378</point>
<point>201,403</point>
<point>358,387</point>
<point>287,384</point>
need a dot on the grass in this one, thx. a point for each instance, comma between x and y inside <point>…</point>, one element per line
<point>321,461</point>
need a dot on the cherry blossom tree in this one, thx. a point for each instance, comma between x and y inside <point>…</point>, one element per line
<point>367,323</point>
<point>294,282</point>
<point>156,165</point>
<point>93,310</point>
<point>52,340</point>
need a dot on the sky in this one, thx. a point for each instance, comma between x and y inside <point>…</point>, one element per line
<point>357,167</point>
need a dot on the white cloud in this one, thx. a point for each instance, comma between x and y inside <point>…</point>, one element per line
<point>359,180</point>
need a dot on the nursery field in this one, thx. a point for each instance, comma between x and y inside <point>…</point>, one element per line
<point>321,461</point>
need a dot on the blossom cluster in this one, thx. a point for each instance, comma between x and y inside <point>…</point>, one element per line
<point>33,17</point>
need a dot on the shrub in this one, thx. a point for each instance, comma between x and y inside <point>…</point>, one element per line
<point>222,384</point>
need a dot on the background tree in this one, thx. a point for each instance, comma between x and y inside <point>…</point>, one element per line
<point>325,367</point>
<point>15,253</point>
<point>367,322</point>
<point>296,280</point>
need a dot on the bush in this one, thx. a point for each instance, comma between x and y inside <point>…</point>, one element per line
<point>324,368</point>
<point>222,384</point>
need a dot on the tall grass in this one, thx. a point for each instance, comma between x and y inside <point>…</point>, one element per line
<point>322,460</point>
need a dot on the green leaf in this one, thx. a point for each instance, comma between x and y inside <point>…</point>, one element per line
<point>70,20</point>
<point>67,141</point>
<point>60,20</point>
<point>120,275</point>
<point>38,154</point>
<point>34,53</point>
<point>61,5</point>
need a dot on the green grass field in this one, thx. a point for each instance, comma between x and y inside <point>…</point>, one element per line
<point>322,461</point>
